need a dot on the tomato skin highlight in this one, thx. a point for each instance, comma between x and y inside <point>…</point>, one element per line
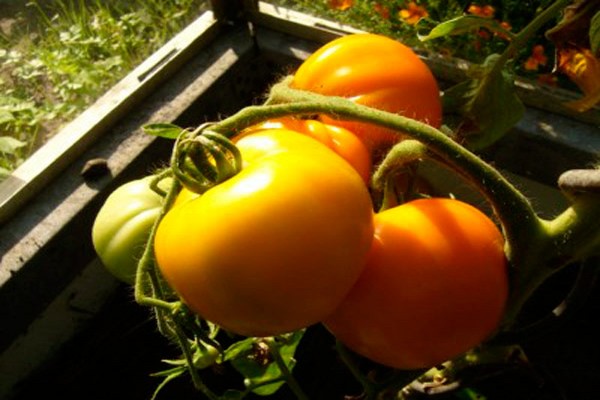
<point>340,140</point>
<point>274,248</point>
<point>435,285</point>
<point>343,142</point>
<point>375,71</point>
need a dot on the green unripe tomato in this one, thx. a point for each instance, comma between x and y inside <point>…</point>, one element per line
<point>123,224</point>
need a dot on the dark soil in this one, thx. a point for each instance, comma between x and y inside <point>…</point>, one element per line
<point>114,357</point>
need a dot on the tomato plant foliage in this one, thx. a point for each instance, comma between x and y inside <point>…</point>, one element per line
<point>292,238</point>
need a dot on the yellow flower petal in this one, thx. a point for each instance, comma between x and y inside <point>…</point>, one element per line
<point>341,4</point>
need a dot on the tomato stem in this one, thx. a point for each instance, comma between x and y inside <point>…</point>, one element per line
<point>189,357</point>
<point>402,158</point>
<point>514,210</point>
<point>402,154</point>
<point>201,159</point>
<point>535,247</point>
<point>149,291</point>
<point>275,350</point>
<point>453,374</point>
<point>573,236</point>
<point>371,388</point>
<point>519,40</point>
<point>347,358</point>
<point>147,278</point>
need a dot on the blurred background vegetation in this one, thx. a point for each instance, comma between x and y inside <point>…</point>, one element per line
<point>405,20</point>
<point>58,57</point>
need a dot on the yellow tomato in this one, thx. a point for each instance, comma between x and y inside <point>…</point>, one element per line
<point>274,248</point>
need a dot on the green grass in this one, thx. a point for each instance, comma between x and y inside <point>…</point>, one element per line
<point>59,57</point>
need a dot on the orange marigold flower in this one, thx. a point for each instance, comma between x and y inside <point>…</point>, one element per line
<point>481,11</point>
<point>484,34</point>
<point>507,27</point>
<point>382,10</point>
<point>537,58</point>
<point>341,4</point>
<point>581,67</point>
<point>413,13</point>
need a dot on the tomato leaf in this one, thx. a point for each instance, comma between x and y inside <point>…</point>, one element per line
<point>578,27</point>
<point>464,24</point>
<point>167,131</point>
<point>253,359</point>
<point>169,375</point>
<point>489,101</point>
<point>238,349</point>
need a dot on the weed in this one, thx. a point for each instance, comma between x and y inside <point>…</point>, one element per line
<point>59,57</point>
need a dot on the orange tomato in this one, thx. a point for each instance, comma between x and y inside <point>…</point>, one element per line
<point>435,285</point>
<point>375,71</point>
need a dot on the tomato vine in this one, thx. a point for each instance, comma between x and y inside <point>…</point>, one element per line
<point>536,248</point>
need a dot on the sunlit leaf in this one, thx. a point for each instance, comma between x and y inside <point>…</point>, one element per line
<point>6,116</point>
<point>167,131</point>
<point>9,144</point>
<point>465,24</point>
<point>239,348</point>
<point>489,101</point>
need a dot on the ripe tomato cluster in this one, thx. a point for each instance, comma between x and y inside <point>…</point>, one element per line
<point>293,239</point>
